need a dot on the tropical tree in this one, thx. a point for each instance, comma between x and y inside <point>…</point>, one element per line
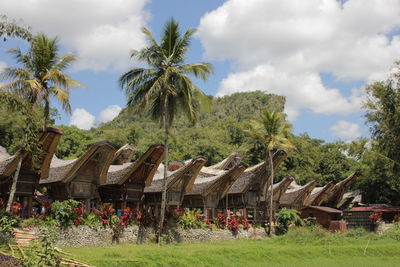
<point>273,130</point>
<point>41,75</point>
<point>164,88</point>
<point>12,29</point>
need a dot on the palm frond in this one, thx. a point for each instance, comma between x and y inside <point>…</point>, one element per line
<point>199,70</point>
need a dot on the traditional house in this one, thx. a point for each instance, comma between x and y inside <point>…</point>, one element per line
<point>295,198</point>
<point>246,194</point>
<point>349,199</point>
<point>323,215</point>
<point>79,178</point>
<point>210,186</point>
<point>29,175</point>
<point>178,183</point>
<point>336,194</point>
<point>125,183</point>
<point>319,195</point>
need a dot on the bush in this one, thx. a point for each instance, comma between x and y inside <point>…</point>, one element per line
<point>92,220</point>
<point>393,233</point>
<point>191,219</point>
<point>285,218</point>
<point>356,232</point>
<point>64,212</point>
<point>7,222</point>
<point>31,222</point>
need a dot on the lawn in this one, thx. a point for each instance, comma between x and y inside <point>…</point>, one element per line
<point>294,249</point>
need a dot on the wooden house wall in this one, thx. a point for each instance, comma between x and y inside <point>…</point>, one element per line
<point>322,218</point>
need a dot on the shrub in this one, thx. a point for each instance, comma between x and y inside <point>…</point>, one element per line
<point>285,218</point>
<point>356,232</point>
<point>31,222</point>
<point>393,233</point>
<point>7,222</point>
<point>92,220</point>
<point>64,212</point>
<point>310,222</point>
<point>191,219</point>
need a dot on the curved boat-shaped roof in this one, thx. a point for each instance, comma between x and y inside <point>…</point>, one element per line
<point>48,139</point>
<point>319,195</point>
<point>297,196</point>
<point>227,163</point>
<point>280,188</point>
<point>339,189</point>
<point>349,198</point>
<point>141,171</point>
<point>256,176</point>
<point>180,180</point>
<point>218,181</point>
<point>123,155</point>
<point>65,170</point>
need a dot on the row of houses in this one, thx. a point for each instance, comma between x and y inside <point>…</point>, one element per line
<point>104,174</point>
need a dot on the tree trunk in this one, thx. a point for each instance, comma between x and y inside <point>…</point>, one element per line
<point>164,184</point>
<point>14,186</point>
<point>271,197</point>
<point>46,114</point>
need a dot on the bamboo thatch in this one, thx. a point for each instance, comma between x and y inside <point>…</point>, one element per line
<point>228,163</point>
<point>217,182</point>
<point>336,194</point>
<point>140,171</point>
<point>256,177</point>
<point>123,155</point>
<point>295,197</point>
<point>350,198</point>
<point>101,153</point>
<point>279,189</point>
<point>181,180</point>
<point>319,195</point>
<point>48,140</point>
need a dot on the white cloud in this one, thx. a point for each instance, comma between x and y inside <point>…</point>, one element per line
<point>284,46</point>
<point>82,119</point>
<point>101,33</point>
<point>109,113</point>
<point>346,130</point>
<point>3,65</point>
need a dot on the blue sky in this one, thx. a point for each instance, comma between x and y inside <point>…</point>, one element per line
<point>319,53</point>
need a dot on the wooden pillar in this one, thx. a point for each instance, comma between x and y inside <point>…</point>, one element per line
<point>87,205</point>
<point>123,205</point>
<point>255,215</point>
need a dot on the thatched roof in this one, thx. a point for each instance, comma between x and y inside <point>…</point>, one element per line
<point>256,177</point>
<point>228,163</point>
<point>66,170</point>
<point>180,180</point>
<point>324,209</point>
<point>349,198</point>
<point>338,191</point>
<point>280,188</point>
<point>297,196</point>
<point>319,195</point>
<point>123,155</point>
<point>141,171</point>
<point>217,181</point>
<point>48,139</point>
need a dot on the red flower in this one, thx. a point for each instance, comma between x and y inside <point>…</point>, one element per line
<point>375,217</point>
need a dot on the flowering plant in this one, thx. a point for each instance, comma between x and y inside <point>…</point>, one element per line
<point>16,207</point>
<point>375,217</point>
<point>126,217</point>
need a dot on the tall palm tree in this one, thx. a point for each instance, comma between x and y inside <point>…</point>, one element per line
<point>40,76</point>
<point>164,88</point>
<point>274,132</point>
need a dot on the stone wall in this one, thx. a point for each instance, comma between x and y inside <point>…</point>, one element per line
<point>77,236</point>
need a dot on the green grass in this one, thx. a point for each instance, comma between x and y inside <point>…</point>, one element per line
<point>298,248</point>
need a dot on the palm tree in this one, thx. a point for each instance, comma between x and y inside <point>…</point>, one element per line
<point>164,88</point>
<point>41,75</point>
<point>274,132</point>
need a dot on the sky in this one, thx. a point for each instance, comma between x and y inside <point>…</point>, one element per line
<point>319,54</point>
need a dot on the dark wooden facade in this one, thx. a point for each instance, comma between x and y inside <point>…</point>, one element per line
<point>79,179</point>
<point>178,183</point>
<point>210,187</point>
<point>125,183</point>
<point>323,215</point>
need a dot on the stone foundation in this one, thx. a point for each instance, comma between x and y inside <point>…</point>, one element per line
<point>77,236</point>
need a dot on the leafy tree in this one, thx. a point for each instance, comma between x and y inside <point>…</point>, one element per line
<point>40,76</point>
<point>12,29</point>
<point>164,89</point>
<point>275,132</point>
<point>29,144</point>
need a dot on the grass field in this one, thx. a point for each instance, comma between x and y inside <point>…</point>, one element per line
<point>295,249</point>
